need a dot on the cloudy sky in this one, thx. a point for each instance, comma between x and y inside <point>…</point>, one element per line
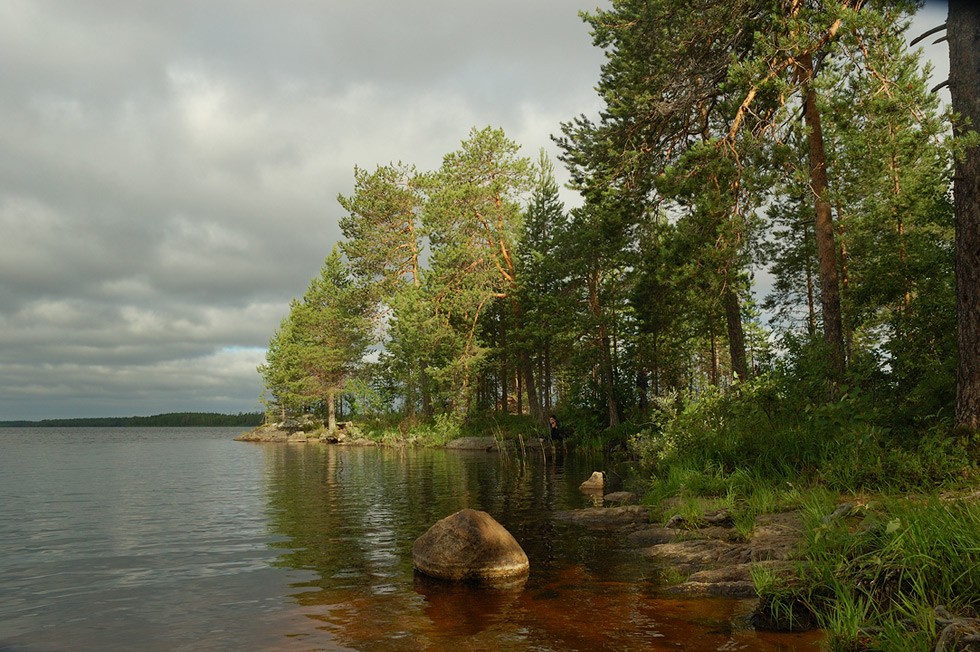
<point>169,170</point>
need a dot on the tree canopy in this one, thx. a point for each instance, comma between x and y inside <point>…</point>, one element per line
<point>765,198</point>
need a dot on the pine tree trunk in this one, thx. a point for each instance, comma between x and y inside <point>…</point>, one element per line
<point>845,284</point>
<point>533,402</point>
<point>824,228</point>
<point>331,411</point>
<point>608,377</point>
<point>503,368</point>
<point>527,370</point>
<point>963,32</point>
<point>520,390</point>
<point>811,313</point>
<point>547,375</point>
<point>713,372</point>
<point>424,387</point>
<point>736,335</point>
<point>605,355</point>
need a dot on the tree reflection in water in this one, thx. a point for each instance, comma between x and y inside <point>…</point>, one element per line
<point>351,515</point>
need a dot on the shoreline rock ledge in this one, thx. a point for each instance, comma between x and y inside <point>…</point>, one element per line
<point>470,546</point>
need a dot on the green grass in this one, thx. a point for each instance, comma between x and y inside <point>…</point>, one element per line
<point>871,574</point>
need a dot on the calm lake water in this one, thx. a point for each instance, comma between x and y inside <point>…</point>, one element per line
<point>159,539</point>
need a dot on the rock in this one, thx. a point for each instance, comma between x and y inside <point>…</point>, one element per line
<point>843,510</point>
<point>539,444</point>
<point>960,634</point>
<point>607,517</point>
<point>266,433</point>
<point>473,444</point>
<point>722,516</point>
<point>692,556</point>
<point>360,441</point>
<point>303,422</point>
<point>337,436</point>
<point>776,536</point>
<point>719,517</point>
<point>715,588</point>
<point>655,535</point>
<point>470,545</point>
<point>595,483</point>
<point>621,497</point>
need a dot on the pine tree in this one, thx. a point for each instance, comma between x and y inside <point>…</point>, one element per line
<point>331,329</point>
<point>963,30</point>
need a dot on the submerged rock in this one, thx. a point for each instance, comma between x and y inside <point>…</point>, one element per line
<point>470,545</point>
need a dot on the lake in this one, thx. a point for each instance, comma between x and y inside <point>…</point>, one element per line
<point>182,539</point>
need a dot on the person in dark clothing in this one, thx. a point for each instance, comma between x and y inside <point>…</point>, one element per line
<point>557,432</point>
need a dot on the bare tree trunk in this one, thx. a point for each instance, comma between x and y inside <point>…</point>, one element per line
<point>830,306</point>
<point>963,32</point>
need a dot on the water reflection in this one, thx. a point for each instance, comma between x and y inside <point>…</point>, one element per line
<point>351,515</point>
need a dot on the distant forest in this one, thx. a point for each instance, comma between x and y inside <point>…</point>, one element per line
<point>172,420</point>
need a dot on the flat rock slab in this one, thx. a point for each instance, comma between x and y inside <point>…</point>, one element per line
<point>621,498</point>
<point>473,444</point>
<point>692,556</point>
<point>731,581</point>
<point>276,436</point>
<point>607,517</point>
<point>654,535</point>
<point>470,545</point>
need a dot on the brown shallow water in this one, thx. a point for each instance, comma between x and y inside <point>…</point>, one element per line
<point>354,513</point>
<point>183,540</point>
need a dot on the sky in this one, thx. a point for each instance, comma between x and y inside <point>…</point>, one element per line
<point>169,170</point>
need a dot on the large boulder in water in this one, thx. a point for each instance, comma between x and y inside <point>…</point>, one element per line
<point>470,545</point>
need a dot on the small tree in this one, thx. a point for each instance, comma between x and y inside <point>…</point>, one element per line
<point>281,371</point>
<point>332,329</point>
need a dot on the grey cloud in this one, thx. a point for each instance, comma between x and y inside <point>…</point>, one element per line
<point>168,170</point>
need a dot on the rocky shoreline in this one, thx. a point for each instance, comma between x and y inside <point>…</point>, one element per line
<point>711,556</point>
<point>347,434</point>
<point>277,434</point>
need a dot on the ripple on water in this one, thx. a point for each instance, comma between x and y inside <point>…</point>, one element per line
<point>180,540</point>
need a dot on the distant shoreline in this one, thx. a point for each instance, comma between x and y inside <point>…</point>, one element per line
<point>171,420</point>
